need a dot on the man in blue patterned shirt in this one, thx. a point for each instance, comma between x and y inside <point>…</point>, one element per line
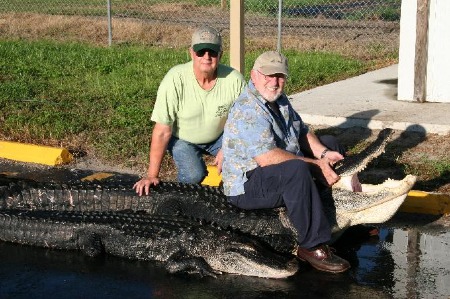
<point>272,159</point>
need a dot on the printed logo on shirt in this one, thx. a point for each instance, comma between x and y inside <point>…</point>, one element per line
<point>222,111</point>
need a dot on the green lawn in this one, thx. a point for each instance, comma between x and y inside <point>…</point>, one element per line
<point>100,99</point>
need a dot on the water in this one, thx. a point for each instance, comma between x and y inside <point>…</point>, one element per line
<point>399,263</point>
<point>408,259</point>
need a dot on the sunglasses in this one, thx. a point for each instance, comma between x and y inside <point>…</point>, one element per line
<point>202,52</point>
<point>281,77</point>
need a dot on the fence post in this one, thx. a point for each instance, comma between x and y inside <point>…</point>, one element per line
<point>421,57</point>
<point>280,10</point>
<point>237,35</point>
<point>109,23</point>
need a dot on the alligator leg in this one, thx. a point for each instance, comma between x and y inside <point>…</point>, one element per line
<point>90,243</point>
<point>180,262</point>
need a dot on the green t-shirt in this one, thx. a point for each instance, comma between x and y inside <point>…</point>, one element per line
<point>196,115</point>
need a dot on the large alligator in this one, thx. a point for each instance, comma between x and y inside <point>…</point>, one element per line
<point>184,246</point>
<point>344,208</point>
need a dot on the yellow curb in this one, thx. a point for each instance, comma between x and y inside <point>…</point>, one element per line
<point>426,203</point>
<point>34,153</point>
<point>213,178</point>
<point>97,176</point>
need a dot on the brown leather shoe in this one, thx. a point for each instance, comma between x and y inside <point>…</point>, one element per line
<point>323,259</point>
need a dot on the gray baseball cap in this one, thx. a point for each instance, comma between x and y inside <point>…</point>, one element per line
<point>206,37</point>
<point>271,62</point>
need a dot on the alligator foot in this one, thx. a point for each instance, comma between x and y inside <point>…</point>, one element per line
<point>180,263</point>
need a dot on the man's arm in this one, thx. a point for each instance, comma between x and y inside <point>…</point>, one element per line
<point>316,149</point>
<point>160,139</point>
<point>320,168</point>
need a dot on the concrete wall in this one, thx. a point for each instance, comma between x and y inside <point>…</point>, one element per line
<point>438,54</point>
<point>438,74</point>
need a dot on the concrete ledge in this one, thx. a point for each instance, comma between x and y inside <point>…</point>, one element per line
<point>426,203</point>
<point>373,124</point>
<point>34,153</point>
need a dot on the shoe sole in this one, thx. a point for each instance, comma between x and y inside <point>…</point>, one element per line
<point>324,270</point>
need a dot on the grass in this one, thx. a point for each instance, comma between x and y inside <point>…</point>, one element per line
<point>430,167</point>
<point>99,100</point>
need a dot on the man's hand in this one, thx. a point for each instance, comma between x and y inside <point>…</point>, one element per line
<point>218,161</point>
<point>143,185</point>
<point>332,157</point>
<point>323,171</point>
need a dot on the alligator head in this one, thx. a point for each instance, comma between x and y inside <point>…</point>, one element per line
<point>348,168</point>
<point>374,203</point>
<point>238,254</point>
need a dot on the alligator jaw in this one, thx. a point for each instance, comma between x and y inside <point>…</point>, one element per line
<point>354,164</point>
<point>375,204</point>
<point>251,259</point>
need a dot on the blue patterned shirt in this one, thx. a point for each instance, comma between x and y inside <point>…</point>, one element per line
<point>252,129</point>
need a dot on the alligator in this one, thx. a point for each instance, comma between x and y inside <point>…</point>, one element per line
<point>343,207</point>
<point>182,245</point>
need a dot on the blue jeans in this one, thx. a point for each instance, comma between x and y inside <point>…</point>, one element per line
<point>188,158</point>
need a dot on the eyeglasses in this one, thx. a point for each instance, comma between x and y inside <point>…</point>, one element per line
<point>278,76</point>
<point>211,53</point>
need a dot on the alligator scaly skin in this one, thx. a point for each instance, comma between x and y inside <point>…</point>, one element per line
<point>209,205</point>
<point>206,204</point>
<point>180,244</point>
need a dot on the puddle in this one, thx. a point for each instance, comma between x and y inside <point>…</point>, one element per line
<point>405,260</point>
<point>397,264</point>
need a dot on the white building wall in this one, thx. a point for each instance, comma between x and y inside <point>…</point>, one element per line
<point>438,66</point>
<point>407,51</point>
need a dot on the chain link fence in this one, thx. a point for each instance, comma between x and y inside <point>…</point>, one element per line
<point>357,28</point>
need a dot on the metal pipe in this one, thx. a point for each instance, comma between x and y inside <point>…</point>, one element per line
<point>280,9</point>
<point>109,23</point>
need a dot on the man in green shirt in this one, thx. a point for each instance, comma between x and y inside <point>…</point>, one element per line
<point>191,107</point>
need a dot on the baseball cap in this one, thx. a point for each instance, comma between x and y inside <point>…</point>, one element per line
<point>271,62</point>
<point>206,38</point>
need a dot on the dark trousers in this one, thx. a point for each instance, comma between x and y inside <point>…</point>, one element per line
<point>290,184</point>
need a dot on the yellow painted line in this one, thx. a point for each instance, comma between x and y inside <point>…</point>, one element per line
<point>213,178</point>
<point>24,152</point>
<point>426,203</point>
<point>97,176</point>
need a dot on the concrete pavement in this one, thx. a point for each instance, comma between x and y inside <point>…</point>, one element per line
<point>370,100</point>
